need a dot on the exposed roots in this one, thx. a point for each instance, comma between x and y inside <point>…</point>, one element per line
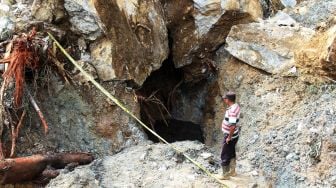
<point>24,55</point>
<point>146,103</point>
<point>39,112</point>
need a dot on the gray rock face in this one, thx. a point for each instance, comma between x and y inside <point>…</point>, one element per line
<point>138,36</point>
<point>204,25</point>
<point>82,120</point>
<point>311,13</point>
<point>189,103</point>
<point>6,27</point>
<point>270,45</point>
<point>287,126</point>
<point>281,44</point>
<point>83,19</point>
<point>136,41</point>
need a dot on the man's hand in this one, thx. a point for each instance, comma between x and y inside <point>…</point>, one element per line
<point>228,139</point>
<point>232,129</point>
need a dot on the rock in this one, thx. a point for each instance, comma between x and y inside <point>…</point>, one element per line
<point>138,33</point>
<point>101,53</point>
<point>270,8</point>
<point>83,18</point>
<point>80,77</point>
<point>124,169</point>
<point>137,27</point>
<point>289,3</point>
<point>6,28</point>
<point>254,138</point>
<point>311,13</point>
<point>55,31</point>
<point>254,173</point>
<point>255,44</point>
<point>204,25</point>
<point>48,10</point>
<point>253,185</point>
<point>4,9</point>
<point>8,2</point>
<point>206,155</point>
<point>292,157</point>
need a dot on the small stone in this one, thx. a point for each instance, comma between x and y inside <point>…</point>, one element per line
<point>206,155</point>
<point>163,168</point>
<point>296,157</point>
<point>253,185</point>
<point>286,148</point>
<point>302,178</point>
<point>254,139</point>
<point>101,52</point>
<point>4,9</point>
<point>289,3</point>
<point>333,179</point>
<point>254,173</point>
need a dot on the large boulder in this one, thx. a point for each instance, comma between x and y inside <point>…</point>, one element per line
<point>204,25</point>
<point>301,37</point>
<point>269,45</point>
<point>135,42</point>
<point>317,59</point>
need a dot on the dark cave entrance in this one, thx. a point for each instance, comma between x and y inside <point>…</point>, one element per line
<point>157,98</point>
<point>176,130</point>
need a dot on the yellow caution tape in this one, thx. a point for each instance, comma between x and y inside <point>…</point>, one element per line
<point>116,101</point>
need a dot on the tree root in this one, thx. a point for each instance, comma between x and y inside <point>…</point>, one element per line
<point>24,54</point>
<point>39,112</point>
<point>16,170</point>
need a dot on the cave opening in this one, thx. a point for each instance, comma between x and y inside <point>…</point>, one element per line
<point>158,104</point>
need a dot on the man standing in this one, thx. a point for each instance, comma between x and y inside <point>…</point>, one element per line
<point>231,130</point>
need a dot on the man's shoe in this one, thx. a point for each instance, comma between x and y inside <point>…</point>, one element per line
<point>232,171</point>
<point>225,174</point>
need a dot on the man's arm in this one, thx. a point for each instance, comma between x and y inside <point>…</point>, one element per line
<point>232,129</point>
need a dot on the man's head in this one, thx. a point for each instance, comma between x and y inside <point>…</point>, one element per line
<point>229,98</point>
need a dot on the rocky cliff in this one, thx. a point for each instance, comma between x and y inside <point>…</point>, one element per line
<point>170,61</point>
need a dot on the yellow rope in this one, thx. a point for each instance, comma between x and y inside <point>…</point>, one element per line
<point>116,101</point>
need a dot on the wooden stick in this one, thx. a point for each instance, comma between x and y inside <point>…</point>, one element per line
<point>19,125</point>
<point>12,135</point>
<point>39,112</point>
<point>2,115</point>
<point>330,79</point>
<point>15,133</point>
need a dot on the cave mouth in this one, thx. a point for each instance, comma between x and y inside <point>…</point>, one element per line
<point>159,102</point>
<point>174,130</point>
